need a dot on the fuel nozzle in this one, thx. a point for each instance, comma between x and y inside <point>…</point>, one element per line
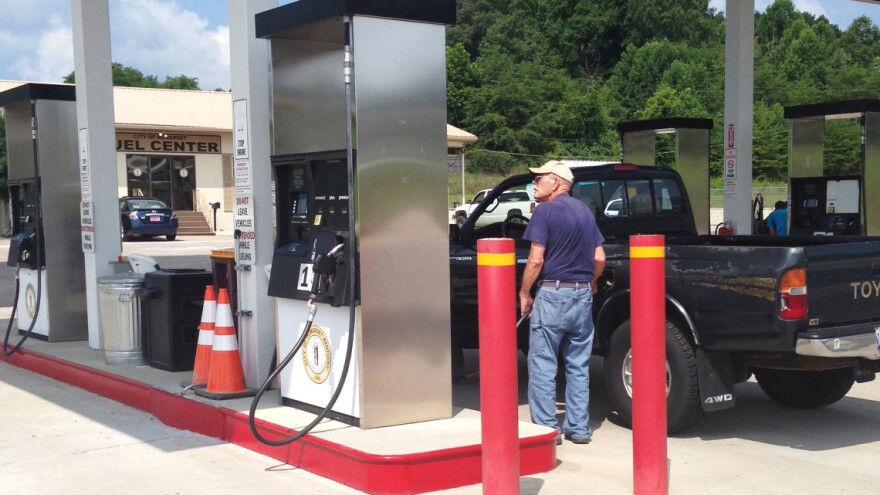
<point>325,270</point>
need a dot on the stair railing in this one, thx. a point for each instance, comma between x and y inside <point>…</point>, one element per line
<point>200,203</point>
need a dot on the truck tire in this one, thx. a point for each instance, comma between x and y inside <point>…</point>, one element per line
<point>801,389</point>
<point>683,407</point>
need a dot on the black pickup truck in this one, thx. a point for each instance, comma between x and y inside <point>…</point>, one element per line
<point>800,313</point>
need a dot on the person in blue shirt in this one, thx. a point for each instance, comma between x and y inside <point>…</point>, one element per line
<point>565,259</point>
<point>777,220</point>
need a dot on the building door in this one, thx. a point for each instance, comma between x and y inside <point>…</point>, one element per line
<point>170,179</point>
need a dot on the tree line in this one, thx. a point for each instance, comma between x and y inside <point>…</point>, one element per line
<point>538,79</point>
<point>535,79</point>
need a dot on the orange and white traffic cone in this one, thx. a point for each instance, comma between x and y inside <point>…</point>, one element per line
<point>225,374</point>
<point>206,338</point>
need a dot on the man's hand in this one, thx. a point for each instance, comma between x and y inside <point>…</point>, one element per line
<point>525,303</point>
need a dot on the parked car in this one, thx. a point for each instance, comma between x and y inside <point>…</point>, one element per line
<point>146,217</point>
<point>517,203</point>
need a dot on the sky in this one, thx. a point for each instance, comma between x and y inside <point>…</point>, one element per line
<point>191,37</point>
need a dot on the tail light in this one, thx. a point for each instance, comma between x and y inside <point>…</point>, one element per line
<point>133,215</point>
<point>625,167</point>
<point>173,216</point>
<point>793,294</point>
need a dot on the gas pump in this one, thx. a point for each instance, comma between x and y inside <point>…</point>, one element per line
<point>826,206</point>
<point>26,247</point>
<point>26,253</point>
<point>44,196</point>
<point>360,270</point>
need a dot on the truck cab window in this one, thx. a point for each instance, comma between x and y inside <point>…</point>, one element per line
<point>640,200</point>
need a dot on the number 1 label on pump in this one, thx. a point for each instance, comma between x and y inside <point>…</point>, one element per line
<point>306,276</point>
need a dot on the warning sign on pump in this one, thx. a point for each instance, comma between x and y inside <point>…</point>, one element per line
<point>87,226</point>
<point>730,164</point>
<point>243,216</point>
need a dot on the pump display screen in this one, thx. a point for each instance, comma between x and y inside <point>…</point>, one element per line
<point>298,181</point>
<point>299,205</point>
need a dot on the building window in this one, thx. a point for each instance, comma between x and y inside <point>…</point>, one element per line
<point>169,178</point>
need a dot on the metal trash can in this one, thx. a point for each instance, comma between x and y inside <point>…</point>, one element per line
<point>119,305</point>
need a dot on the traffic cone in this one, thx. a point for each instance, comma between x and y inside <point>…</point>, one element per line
<point>225,374</point>
<point>206,338</point>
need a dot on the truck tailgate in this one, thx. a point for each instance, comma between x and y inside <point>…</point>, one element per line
<point>843,282</point>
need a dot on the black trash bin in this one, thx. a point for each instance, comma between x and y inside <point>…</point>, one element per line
<point>225,277</point>
<point>173,301</point>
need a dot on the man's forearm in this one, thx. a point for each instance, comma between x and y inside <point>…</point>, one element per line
<point>530,276</point>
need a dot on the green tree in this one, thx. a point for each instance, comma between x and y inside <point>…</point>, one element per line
<point>842,147</point>
<point>769,143</point>
<point>806,57</point>
<point>130,77</point>
<point>180,82</point>
<point>538,78</point>
<point>461,77</point>
<point>473,20</point>
<point>666,102</point>
<point>639,73</point>
<point>859,45</point>
<point>529,111</point>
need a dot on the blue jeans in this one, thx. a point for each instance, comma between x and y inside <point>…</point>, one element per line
<point>561,324</point>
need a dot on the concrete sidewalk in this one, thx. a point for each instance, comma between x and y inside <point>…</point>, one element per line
<point>399,459</point>
<point>55,438</point>
<point>67,440</point>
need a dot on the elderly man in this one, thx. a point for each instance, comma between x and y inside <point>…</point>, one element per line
<point>565,259</point>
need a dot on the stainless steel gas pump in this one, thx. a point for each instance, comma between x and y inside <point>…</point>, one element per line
<point>359,141</point>
<point>44,188</point>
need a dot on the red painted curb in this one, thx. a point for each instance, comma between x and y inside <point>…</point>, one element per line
<point>375,474</point>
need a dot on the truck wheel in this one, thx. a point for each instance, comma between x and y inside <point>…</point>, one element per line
<point>683,407</point>
<point>460,218</point>
<point>800,389</point>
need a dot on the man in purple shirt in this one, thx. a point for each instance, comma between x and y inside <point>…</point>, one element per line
<point>565,259</point>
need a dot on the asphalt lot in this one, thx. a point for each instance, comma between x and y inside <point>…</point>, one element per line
<point>59,439</point>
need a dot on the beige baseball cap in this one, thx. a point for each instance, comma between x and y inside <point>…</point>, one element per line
<point>554,167</point>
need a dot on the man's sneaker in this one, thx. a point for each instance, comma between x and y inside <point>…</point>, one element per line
<point>577,440</point>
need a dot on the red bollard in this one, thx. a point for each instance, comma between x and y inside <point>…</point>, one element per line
<point>648,334</point>
<point>496,285</point>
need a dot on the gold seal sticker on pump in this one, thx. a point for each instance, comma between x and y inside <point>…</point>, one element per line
<point>30,300</point>
<point>316,355</point>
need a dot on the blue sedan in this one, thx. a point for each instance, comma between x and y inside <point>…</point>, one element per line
<point>146,217</point>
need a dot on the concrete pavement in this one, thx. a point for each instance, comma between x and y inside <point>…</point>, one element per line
<point>59,439</point>
<point>55,438</point>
